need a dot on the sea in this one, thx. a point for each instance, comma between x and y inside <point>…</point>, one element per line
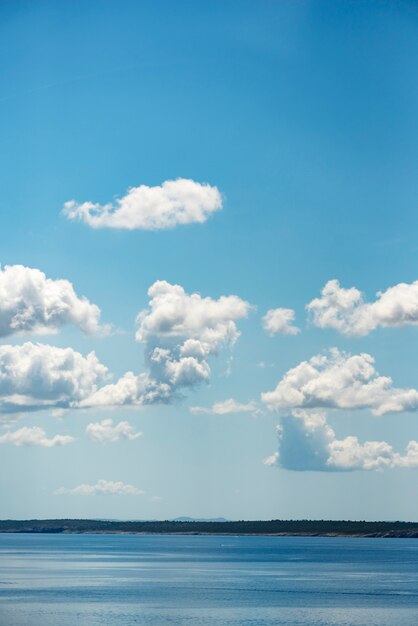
<point>195,580</point>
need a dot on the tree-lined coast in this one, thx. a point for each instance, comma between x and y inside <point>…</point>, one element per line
<point>326,528</point>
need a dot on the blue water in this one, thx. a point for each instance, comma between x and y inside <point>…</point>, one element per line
<point>122,580</point>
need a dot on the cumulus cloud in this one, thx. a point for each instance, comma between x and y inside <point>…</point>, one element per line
<point>101,488</point>
<point>34,436</point>
<point>180,201</point>
<point>341,381</point>
<point>308,443</point>
<point>410,459</point>
<point>31,302</point>
<point>345,309</point>
<point>36,376</point>
<point>180,333</point>
<point>199,326</point>
<point>226,407</point>
<point>280,321</point>
<point>106,432</point>
<point>129,390</point>
<point>39,376</point>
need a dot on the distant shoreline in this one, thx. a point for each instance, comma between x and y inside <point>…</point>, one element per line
<point>270,528</point>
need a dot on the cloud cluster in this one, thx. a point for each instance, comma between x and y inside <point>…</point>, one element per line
<point>106,432</point>
<point>35,376</point>
<point>34,436</point>
<point>101,488</point>
<point>341,381</point>
<point>308,443</point>
<point>180,201</point>
<point>31,302</point>
<point>226,407</point>
<point>180,332</point>
<point>280,321</point>
<point>345,310</point>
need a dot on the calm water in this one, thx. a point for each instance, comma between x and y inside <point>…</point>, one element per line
<point>119,580</point>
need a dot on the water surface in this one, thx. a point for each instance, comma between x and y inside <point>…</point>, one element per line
<point>122,580</point>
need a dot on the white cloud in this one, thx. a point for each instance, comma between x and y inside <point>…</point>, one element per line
<point>180,333</point>
<point>341,381</point>
<point>349,454</point>
<point>226,407</point>
<point>31,302</point>
<point>308,443</point>
<point>180,201</point>
<point>129,390</point>
<point>39,376</point>
<point>345,309</point>
<point>34,436</point>
<point>410,459</point>
<point>36,376</point>
<point>280,321</point>
<point>106,432</point>
<point>199,326</point>
<point>102,487</point>
<point>272,459</point>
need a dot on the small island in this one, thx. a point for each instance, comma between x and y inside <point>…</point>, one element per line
<point>297,528</point>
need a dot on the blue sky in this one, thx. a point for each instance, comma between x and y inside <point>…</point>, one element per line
<point>303,116</point>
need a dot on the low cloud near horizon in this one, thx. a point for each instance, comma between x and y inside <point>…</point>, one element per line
<point>34,436</point>
<point>101,488</point>
<point>226,407</point>
<point>106,432</point>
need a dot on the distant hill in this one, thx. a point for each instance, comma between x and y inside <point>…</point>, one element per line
<point>203,519</point>
<point>330,528</point>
